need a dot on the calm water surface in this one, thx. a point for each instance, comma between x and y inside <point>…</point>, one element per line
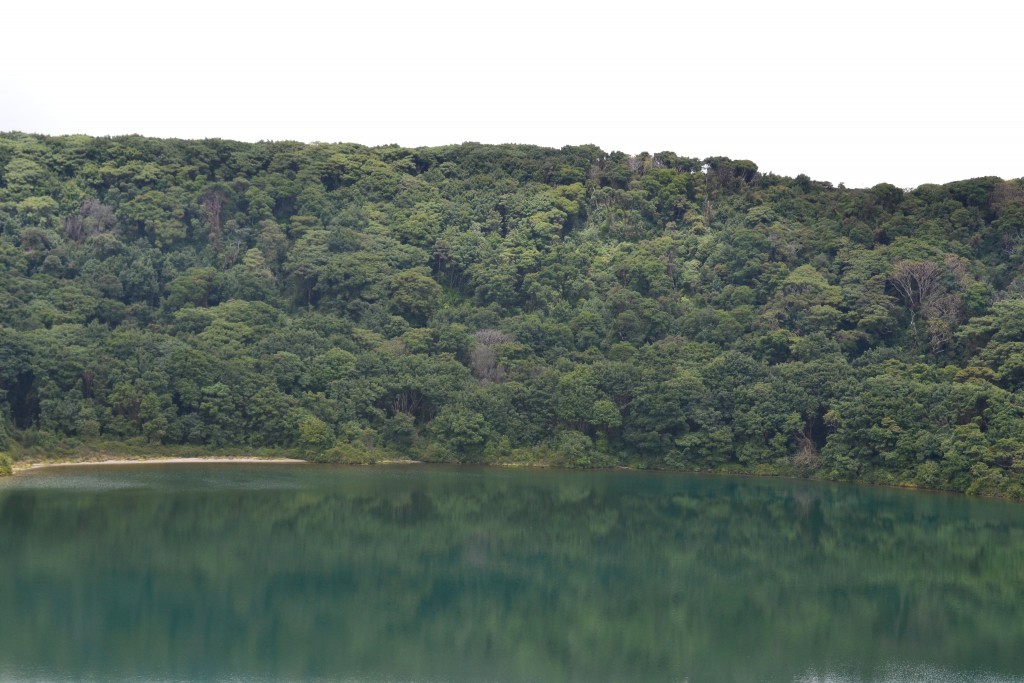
<point>450,575</point>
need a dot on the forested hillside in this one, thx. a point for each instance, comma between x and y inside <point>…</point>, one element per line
<point>510,304</point>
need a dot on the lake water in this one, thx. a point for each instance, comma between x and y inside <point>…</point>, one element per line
<point>206,572</point>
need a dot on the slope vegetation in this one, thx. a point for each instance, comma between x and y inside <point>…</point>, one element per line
<point>510,304</point>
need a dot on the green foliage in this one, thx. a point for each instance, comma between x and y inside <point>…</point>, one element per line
<point>516,304</point>
<point>314,434</point>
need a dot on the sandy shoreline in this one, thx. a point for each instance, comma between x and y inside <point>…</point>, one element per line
<point>155,461</point>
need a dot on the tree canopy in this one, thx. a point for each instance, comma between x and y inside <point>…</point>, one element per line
<point>510,304</point>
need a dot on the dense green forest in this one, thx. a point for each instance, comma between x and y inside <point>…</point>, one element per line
<point>510,304</point>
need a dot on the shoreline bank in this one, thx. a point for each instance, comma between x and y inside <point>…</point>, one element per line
<point>26,467</point>
<point>106,458</point>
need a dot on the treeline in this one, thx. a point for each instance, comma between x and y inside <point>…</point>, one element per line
<point>510,304</point>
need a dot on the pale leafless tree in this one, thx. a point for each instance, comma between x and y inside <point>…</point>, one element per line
<point>917,282</point>
<point>483,358</point>
<point>943,314</point>
<point>637,164</point>
<point>491,337</point>
<point>483,361</point>
<point>807,459</point>
<point>93,217</point>
<point>920,285</point>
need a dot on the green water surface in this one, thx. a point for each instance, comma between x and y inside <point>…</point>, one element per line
<point>207,572</point>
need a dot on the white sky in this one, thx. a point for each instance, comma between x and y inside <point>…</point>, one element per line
<point>856,92</point>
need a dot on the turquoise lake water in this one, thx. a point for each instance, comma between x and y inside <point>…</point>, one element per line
<point>420,574</point>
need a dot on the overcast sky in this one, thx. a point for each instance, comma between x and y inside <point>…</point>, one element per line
<point>857,92</point>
